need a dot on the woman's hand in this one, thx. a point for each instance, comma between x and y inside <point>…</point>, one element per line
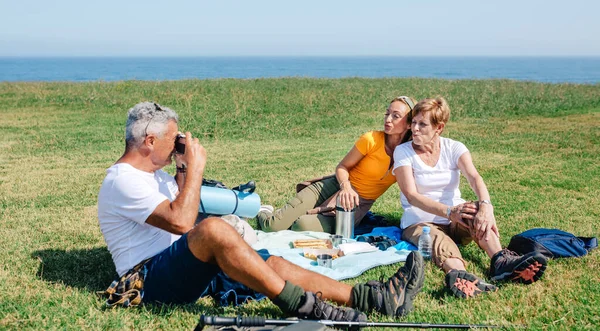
<point>348,196</point>
<point>464,214</point>
<point>484,222</point>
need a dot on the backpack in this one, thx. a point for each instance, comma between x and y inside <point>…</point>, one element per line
<point>553,243</point>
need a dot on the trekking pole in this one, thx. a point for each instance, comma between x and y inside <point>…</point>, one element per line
<point>250,321</point>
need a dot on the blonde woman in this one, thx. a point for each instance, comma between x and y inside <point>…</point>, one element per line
<point>428,171</point>
<point>360,178</point>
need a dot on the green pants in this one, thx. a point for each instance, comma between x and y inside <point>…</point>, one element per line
<point>293,215</point>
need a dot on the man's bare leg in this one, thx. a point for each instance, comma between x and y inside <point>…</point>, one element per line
<point>240,262</point>
<point>214,241</point>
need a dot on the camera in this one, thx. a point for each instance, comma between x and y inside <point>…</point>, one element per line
<point>180,146</point>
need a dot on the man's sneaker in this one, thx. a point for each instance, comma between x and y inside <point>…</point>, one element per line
<point>466,285</point>
<point>315,308</point>
<point>394,297</point>
<point>508,265</point>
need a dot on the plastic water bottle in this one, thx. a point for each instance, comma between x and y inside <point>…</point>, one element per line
<point>425,243</point>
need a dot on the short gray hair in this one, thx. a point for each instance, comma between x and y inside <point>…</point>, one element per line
<point>147,117</point>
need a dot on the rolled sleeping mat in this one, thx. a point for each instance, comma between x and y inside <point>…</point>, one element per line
<point>240,201</point>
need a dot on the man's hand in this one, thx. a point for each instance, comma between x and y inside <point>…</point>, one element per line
<point>194,157</point>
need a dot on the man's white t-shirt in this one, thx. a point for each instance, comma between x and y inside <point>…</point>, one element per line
<point>439,183</point>
<point>126,199</point>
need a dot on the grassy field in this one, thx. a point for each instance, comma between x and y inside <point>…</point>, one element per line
<point>536,145</point>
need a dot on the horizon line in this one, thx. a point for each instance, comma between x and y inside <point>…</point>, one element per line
<point>300,56</point>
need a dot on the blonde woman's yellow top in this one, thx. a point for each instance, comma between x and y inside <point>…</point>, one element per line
<point>372,176</point>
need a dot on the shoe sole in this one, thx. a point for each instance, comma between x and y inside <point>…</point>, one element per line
<point>527,272</point>
<point>418,266</point>
<point>466,285</point>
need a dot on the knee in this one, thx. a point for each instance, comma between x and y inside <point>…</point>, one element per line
<point>213,230</point>
<point>275,262</point>
<point>297,200</point>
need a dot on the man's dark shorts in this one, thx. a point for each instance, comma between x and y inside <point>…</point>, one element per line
<point>175,275</point>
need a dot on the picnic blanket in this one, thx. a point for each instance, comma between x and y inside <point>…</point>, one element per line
<point>345,267</point>
<point>226,291</point>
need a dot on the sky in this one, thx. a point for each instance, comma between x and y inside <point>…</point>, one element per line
<point>299,28</point>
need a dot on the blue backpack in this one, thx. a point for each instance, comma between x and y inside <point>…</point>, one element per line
<point>553,243</point>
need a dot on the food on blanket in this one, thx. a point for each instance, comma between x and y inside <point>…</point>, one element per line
<point>312,243</point>
<point>313,255</point>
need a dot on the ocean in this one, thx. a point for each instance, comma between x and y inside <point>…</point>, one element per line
<point>581,70</point>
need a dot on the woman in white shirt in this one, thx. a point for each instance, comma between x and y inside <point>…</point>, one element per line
<point>428,169</point>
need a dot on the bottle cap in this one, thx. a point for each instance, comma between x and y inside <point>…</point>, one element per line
<point>426,229</point>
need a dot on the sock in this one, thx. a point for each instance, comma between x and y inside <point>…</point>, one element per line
<point>361,294</point>
<point>290,298</point>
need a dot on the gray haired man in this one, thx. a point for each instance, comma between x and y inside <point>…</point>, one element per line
<point>145,213</point>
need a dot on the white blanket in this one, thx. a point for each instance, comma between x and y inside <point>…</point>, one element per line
<point>279,244</point>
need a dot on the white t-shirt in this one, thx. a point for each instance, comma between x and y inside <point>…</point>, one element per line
<point>439,183</point>
<point>127,197</point>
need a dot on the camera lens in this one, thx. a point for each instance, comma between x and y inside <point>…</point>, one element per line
<point>179,146</point>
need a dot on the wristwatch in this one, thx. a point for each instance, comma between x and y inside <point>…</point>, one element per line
<point>448,212</point>
<point>486,201</point>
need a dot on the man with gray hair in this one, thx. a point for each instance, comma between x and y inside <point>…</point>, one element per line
<point>148,219</point>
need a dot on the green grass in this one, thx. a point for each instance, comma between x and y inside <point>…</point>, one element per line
<point>536,145</point>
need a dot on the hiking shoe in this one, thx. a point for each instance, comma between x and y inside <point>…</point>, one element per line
<point>264,213</point>
<point>315,308</point>
<point>466,285</point>
<point>394,297</point>
<point>508,265</point>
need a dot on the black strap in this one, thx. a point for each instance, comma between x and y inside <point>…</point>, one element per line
<point>213,183</point>
<point>237,201</point>
<point>249,187</point>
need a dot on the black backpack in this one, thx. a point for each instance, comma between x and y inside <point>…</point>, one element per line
<point>553,243</point>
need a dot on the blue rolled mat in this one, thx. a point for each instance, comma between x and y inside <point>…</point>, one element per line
<point>221,201</point>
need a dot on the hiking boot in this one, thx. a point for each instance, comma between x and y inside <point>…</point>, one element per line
<point>315,308</point>
<point>466,285</point>
<point>394,297</point>
<point>508,265</point>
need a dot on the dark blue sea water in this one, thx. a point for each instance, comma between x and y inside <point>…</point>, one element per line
<point>541,69</point>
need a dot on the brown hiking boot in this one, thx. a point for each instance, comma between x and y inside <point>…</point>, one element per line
<point>394,297</point>
<point>466,285</point>
<point>526,269</point>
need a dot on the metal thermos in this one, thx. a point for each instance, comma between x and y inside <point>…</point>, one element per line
<point>344,221</point>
